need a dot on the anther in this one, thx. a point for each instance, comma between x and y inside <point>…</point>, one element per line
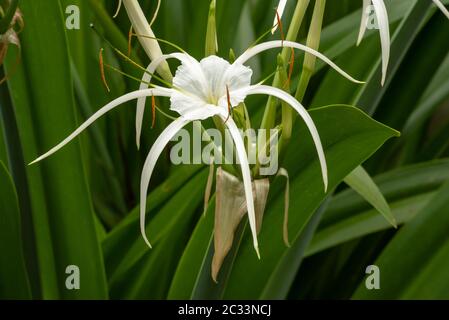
<point>103,77</point>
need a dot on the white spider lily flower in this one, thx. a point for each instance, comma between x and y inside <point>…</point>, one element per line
<point>384,29</point>
<point>203,89</point>
<point>202,86</point>
<point>279,12</point>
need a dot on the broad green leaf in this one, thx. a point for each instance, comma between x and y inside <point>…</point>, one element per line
<point>346,134</point>
<point>360,181</point>
<point>125,234</point>
<point>140,275</point>
<point>196,259</point>
<point>394,185</point>
<point>419,254</point>
<point>13,274</point>
<point>349,137</point>
<point>349,217</point>
<point>367,222</point>
<point>3,154</point>
<point>283,276</point>
<point>61,209</point>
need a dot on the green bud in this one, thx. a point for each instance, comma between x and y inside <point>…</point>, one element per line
<point>211,47</point>
<point>231,56</point>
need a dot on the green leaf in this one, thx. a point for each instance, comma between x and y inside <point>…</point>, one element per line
<point>408,189</point>
<point>62,213</point>
<point>196,259</point>
<point>361,182</point>
<point>147,273</point>
<point>125,234</point>
<point>349,137</point>
<point>13,274</point>
<point>283,276</point>
<point>419,253</point>
<point>366,222</point>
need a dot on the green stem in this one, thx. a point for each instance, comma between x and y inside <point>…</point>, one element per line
<point>211,46</point>
<point>269,116</point>
<point>313,41</point>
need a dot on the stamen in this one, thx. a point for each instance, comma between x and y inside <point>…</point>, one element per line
<point>271,75</point>
<point>128,59</point>
<point>161,40</point>
<point>266,33</point>
<point>153,111</point>
<point>155,13</point>
<point>290,68</point>
<point>280,27</point>
<point>103,77</point>
<point>130,36</point>
<point>228,97</point>
<point>128,76</point>
<point>118,9</point>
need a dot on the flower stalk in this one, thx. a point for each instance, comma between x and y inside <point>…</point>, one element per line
<point>211,46</point>
<point>142,27</point>
<point>313,41</point>
<point>269,117</point>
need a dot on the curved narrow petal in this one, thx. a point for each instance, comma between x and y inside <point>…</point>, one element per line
<point>384,30</point>
<point>261,89</point>
<point>246,174</point>
<point>251,52</point>
<point>363,23</point>
<point>162,92</point>
<point>119,6</point>
<point>441,6</point>
<point>147,79</point>
<point>150,163</point>
<point>280,11</point>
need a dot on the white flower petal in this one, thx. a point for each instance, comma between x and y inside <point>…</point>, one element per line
<point>163,92</point>
<point>118,9</point>
<point>150,163</point>
<point>189,77</point>
<point>280,11</point>
<point>147,79</point>
<point>200,112</point>
<point>442,7</point>
<point>384,30</point>
<point>364,22</point>
<point>251,52</point>
<point>246,174</point>
<point>261,89</point>
<point>202,85</point>
<point>214,70</point>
